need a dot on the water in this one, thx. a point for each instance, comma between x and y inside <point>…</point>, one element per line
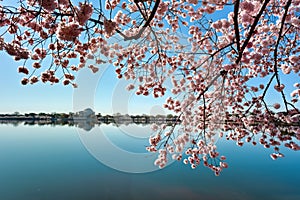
<point>41,163</point>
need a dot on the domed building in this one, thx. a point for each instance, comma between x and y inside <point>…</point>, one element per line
<point>85,119</point>
<point>87,113</point>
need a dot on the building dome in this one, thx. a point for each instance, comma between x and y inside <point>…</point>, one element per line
<point>89,112</point>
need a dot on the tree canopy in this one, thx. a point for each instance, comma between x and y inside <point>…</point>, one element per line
<point>227,61</point>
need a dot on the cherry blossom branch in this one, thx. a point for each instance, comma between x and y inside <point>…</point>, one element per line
<point>213,54</point>
<point>147,23</point>
<point>141,11</point>
<point>208,93</point>
<point>204,119</point>
<point>209,85</point>
<point>251,32</point>
<point>286,8</point>
<point>236,24</point>
<point>172,129</point>
<point>262,96</point>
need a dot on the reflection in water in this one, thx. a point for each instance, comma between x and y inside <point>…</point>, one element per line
<point>85,119</point>
<point>85,124</point>
<point>88,123</point>
<point>51,163</point>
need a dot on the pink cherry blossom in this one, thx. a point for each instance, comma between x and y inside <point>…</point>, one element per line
<point>109,26</point>
<point>276,105</point>
<point>68,32</point>
<point>83,13</point>
<point>48,5</point>
<point>222,72</point>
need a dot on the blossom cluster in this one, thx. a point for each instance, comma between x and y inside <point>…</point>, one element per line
<point>68,32</point>
<point>83,13</point>
<point>109,27</point>
<point>48,5</point>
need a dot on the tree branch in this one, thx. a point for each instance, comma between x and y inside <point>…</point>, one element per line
<point>236,25</point>
<point>147,23</point>
<point>286,8</point>
<point>262,9</point>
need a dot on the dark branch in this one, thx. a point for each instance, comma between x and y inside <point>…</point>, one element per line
<point>147,23</point>
<point>236,25</point>
<point>251,32</point>
<point>286,8</point>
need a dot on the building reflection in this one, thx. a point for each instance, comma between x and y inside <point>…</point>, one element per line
<point>86,119</point>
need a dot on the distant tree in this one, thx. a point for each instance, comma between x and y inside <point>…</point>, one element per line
<point>16,113</point>
<point>42,114</point>
<point>64,115</point>
<point>170,116</point>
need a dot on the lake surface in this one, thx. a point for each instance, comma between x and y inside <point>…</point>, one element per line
<point>44,162</point>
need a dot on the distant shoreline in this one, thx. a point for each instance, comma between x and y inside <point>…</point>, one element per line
<point>86,119</point>
<point>77,116</point>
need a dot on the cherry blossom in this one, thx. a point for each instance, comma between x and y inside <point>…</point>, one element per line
<point>48,5</point>
<point>109,27</point>
<point>68,32</point>
<point>223,69</point>
<point>83,13</point>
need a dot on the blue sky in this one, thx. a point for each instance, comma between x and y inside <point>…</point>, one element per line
<point>35,98</point>
<point>108,94</point>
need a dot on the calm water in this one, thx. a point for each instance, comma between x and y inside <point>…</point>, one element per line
<point>39,163</point>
